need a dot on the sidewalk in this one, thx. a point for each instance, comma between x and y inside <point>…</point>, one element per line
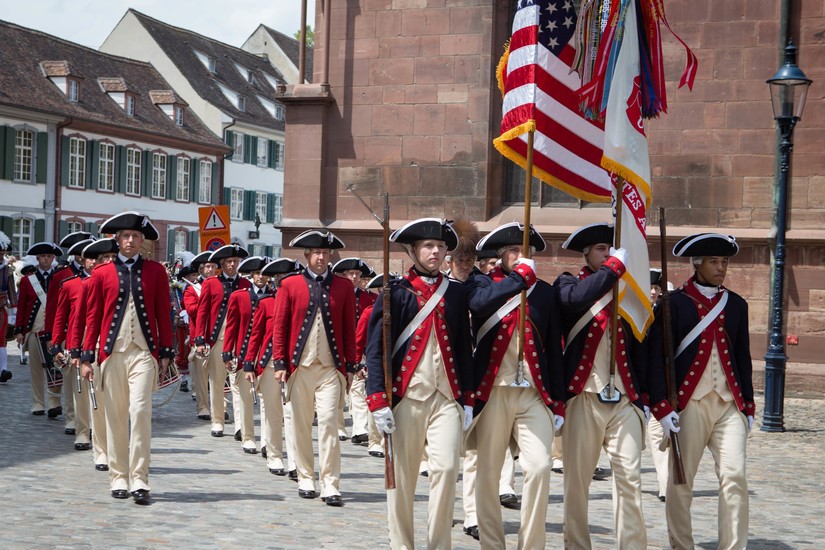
<point>208,494</point>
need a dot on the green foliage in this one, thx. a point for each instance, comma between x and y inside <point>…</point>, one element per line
<point>310,36</point>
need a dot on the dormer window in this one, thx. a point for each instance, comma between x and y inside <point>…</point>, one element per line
<point>208,62</point>
<point>170,103</point>
<point>279,112</point>
<point>251,78</point>
<point>63,75</point>
<point>178,115</point>
<point>73,90</point>
<point>130,105</point>
<point>241,103</point>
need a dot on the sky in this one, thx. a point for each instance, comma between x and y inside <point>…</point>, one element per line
<point>88,22</point>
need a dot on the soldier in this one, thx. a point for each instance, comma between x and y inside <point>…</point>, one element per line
<point>184,277</point>
<point>211,323</point>
<point>485,260</point>
<point>431,378</point>
<point>69,292</point>
<point>30,328</point>
<point>709,331</point>
<point>596,417</point>
<point>191,295</point>
<point>239,314</point>
<point>130,298</point>
<point>661,456</point>
<point>8,302</point>
<point>259,371</point>
<point>524,400</point>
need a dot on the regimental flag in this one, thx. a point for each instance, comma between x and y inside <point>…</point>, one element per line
<point>540,93</point>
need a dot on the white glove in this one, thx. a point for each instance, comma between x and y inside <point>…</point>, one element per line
<point>529,262</point>
<point>620,254</point>
<point>468,417</point>
<point>185,316</point>
<point>670,423</point>
<point>750,423</point>
<point>647,414</point>
<point>384,420</point>
<point>558,423</point>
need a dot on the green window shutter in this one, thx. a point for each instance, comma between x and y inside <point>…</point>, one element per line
<point>270,208</point>
<point>62,229</point>
<point>194,241</point>
<point>230,135</point>
<point>42,157</point>
<point>2,151</point>
<point>8,153</point>
<point>171,177</point>
<point>120,169</point>
<point>248,155</point>
<point>146,174</point>
<point>64,160</point>
<point>273,154</point>
<point>227,196</point>
<point>39,230</point>
<point>194,179</point>
<point>6,225</point>
<point>91,227</point>
<point>170,244</point>
<point>93,164</point>
<point>215,182</point>
<point>249,205</point>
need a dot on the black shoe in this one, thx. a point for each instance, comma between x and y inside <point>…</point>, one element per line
<point>277,471</point>
<point>509,501</point>
<point>425,473</point>
<point>360,438</point>
<point>69,431</point>
<point>82,446</point>
<point>5,376</point>
<point>377,454</point>
<point>238,436</point>
<point>307,494</point>
<point>343,437</point>
<point>120,493</point>
<point>662,498</point>
<point>472,531</point>
<point>141,497</point>
<point>250,451</point>
<point>38,413</point>
<point>557,470</point>
<point>184,386</point>
<point>601,474</point>
<point>55,412</point>
<point>24,361</point>
<point>333,500</point>
<point>293,475</point>
<point>217,433</point>
<point>263,451</point>
<point>102,467</point>
<point>204,417</point>
<point>225,415</point>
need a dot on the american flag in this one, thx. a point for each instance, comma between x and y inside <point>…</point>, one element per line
<point>540,91</point>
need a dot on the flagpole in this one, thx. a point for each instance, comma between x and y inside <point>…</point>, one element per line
<point>525,252</point>
<point>614,317</point>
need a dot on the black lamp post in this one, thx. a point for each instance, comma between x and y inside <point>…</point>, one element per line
<point>789,86</point>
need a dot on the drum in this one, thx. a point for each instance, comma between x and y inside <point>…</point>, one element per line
<point>54,378</point>
<point>168,376</point>
<point>227,385</point>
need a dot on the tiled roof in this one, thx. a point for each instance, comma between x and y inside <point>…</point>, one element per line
<point>180,46</point>
<point>165,97</point>
<point>27,55</point>
<point>110,84</point>
<point>290,47</point>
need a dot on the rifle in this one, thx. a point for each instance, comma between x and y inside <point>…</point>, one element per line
<point>389,461</point>
<point>670,360</point>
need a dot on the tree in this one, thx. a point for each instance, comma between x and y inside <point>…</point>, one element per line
<point>310,36</point>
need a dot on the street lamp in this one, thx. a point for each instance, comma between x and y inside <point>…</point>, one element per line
<point>789,86</point>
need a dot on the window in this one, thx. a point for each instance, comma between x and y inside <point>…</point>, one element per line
<point>181,238</point>
<point>21,238</point>
<point>278,208</point>
<point>74,89</point>
<point>158,176</point>
<point>77,163</point>
<point>106,168</point>
<point>241,103</point>
<point>208,62</point>
<point>130,105</point>
<point>251,78</point>
<point>237,156</point>
<point>260,205</point>
<point>133,171</point>
<point>73,227</point>
<point>23,152</point>
<point>543,194</point>
<point>179,115</point>
<point>236,204</point>
<point>182,188</point>
<point>279,112</point>
<point>263,152</point>
<point>205,187</point>
<point>279,155</point>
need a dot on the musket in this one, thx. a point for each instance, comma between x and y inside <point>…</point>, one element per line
<point>670,360</point>
<point>389,460</point>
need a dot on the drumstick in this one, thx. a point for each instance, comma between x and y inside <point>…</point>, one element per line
<point>92,394</point>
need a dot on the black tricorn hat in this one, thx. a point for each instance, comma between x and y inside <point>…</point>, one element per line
<point>378,280</point>
<point>73,238</point>
<point>132,221</point>
<point>595,233</point>
<point>346,264</point>
<point>98,247</point>
<point>233,250</point>
<point>655,276</point>
<point>282,266</point>
<point>707,244</point>
<point>76,249</point>
<point>253,263</point>
<point>186,270</point>
<point>485,254</point>
<point>202,258</point>
<point>44,248</point>
<point>317,238</point>
<point>510,234</point>
<point>425,229</point>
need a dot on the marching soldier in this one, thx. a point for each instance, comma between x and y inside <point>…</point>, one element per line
<point>655,432</point>
<point>314,350</point>
<point>129,317</point>
<point>191,295</point>
<point>709,331</point>
<point>8,302</point>
<point>431,378</point>
<point>597,417</point>
<point>520,400</point>
<point>184,277</point>
<point>69,292</point>
<point>259,371</point>
<point>211,324</point>
<point>239,315</point>
<point>30,328</point>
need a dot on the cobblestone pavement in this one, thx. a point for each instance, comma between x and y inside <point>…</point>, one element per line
<point>208,494</point>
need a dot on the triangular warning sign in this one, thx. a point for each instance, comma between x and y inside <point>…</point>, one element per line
<point>213,222</point>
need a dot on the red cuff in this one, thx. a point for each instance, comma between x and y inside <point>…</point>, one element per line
<point>615,266</point>
<point>470,399</point>
<point>645,399</point>
<point>377,401</point>
<point>526,273</point>
<point>661,409</point>
<point>558,408</point>
<point>750,409</point>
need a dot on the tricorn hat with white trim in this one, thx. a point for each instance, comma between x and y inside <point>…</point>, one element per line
<point>347,264</point>
<point>73,238</point>
<point>378,280</point>
<point>77,248</point>
<point>130,221</point>
<point>424,229</point>
<point>510,234</point>
<point>253,263</point>
<point>594,233</point>
<point>202,258</point>
<point>317,238</point>
<point>98,247</point>
<point>44,248</point>
<point>707,244</point>
<point>282,266</point>
<point>233,250</point>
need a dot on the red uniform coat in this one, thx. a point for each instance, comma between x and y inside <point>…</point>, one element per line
<point>294,317</point>
<point>70,291</point>
<point>239,312</point>
<point>191,295</point>
<point>73,269</point>
<point>259,350</point>
<point>212,306</point>
<point>106,301</point>
<point>363,300</point>
<point>361,331</point>
<point>77,322</point>
<point>28,304</point>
